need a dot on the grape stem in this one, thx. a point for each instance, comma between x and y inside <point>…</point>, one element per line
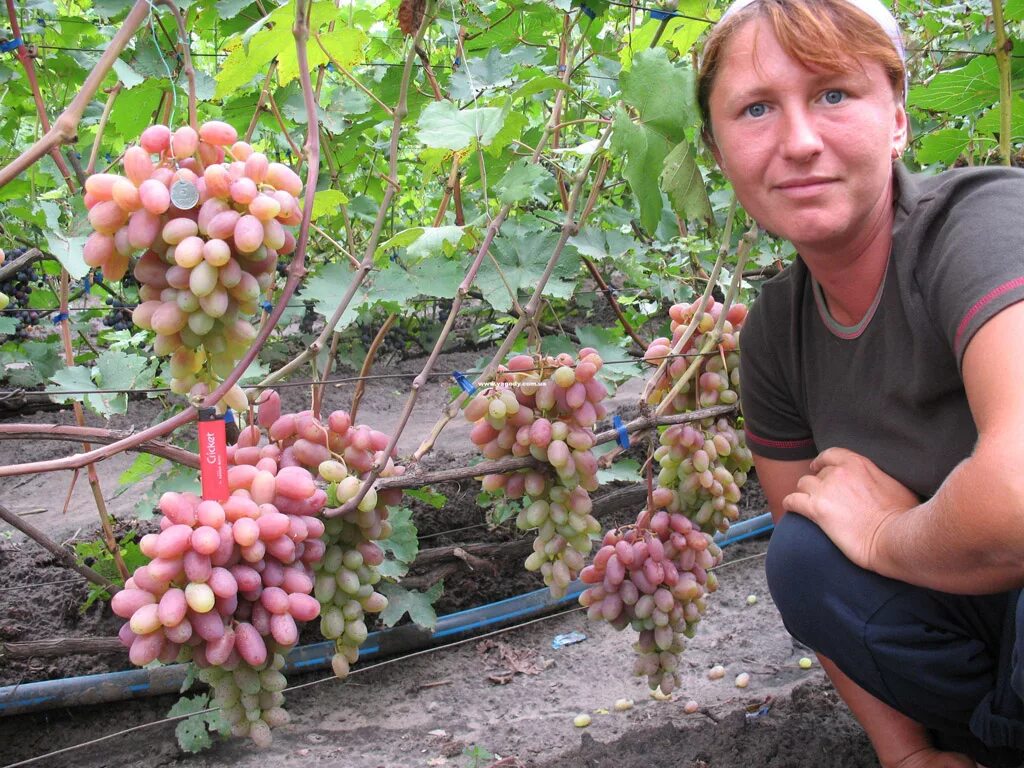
<point>30,74</point>
<point>55,549</point>
<point>65,128</point>
<point>76,434</point>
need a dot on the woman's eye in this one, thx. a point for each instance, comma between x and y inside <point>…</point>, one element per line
<point>756,110</point>
<point>834,96</point>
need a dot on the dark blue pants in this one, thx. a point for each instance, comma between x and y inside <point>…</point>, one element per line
<point>949,662</point>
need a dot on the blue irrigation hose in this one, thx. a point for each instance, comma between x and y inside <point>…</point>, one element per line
<point>135,683</point>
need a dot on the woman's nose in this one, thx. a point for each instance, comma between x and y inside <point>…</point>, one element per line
<point>802,139</point>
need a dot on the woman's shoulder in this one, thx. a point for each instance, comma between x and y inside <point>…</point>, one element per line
<point>939,190</point>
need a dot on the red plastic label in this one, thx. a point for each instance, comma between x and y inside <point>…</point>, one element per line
<point>213,458</point>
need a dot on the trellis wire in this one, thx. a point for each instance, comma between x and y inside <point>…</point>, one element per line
<point>336,381</point>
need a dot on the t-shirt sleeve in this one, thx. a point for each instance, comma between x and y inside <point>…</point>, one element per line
<point>774,426</point>
<point>976,265</point>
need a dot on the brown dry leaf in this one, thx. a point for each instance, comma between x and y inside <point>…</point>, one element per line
<point>510,661</point>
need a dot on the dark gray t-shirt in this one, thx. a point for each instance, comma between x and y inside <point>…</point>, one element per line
<point>890,387</point>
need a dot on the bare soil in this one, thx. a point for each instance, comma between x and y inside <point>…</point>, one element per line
<point>443,707</point>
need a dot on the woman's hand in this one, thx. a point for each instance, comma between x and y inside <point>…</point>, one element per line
<point>851,500</point>
<point>933,758</point>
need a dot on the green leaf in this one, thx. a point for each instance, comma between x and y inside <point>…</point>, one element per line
<point>540,85</point>
<point>345,45</point>
<point>178,478</point>
<point>661,91</point>
<point>194,731</point>
<point>943,146</point>
<point>521,257</point>
<point>126,74</point>
<point>403,544</point>
<point>145,464</point>
<point>989,122</point>
<point>1014,10</point>
<point>682,182</point>
<point>118,370</point>
<point>427,496</point>
<point>962,91</point>
<point>8,324</point>
<point>74,379</point>
<point>68,250</point>
<point>133,109</point>
<point>419,605</point>
<point>442,124</point>
<point>327,201</point>
<point>228,9</point>
<point>326,288</point>
<point>521,182</point>
<point>438,278</point>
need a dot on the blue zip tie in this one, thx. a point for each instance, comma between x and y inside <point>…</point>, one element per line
<point>60,317</point>
<point>10,45</point>
<point>458,60</point>
<point>466,384</point>
<point>330,66</point>
<point>561,68</point>
<point>229,416</point>
<point>623,438</point>
<point>87,282</point>
<point>266,306</point>
<point>587,12</point>
<point>662,15</point>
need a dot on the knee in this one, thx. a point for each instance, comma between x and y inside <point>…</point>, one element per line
<point>801,568</point>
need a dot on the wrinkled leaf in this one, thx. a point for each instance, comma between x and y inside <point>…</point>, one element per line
<point>442,124</point>
<point>681,180</point>
<point>522,182</point>
<point>419,605</point>
<point>403,544</point>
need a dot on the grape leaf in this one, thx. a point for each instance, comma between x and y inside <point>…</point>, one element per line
<point>942,146</point>
<point>682,182</point>
<point>419,605</point>
<point>69,250</point>
<point>327,202</point>
<point>522,256</point>
<point>194,731</point>
<point>522,182</point>
<point>145,464</point>
<point>228,9</point>
<point>128,76</point>
<point>8,324</point>
<point>961,91</point>
<point>442,124</point>
<point>403,544</point>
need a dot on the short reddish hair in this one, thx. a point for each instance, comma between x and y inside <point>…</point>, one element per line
<point>829,35</point>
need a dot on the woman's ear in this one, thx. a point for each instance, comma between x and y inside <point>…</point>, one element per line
<point>709,141</point>
<point>901,130</point>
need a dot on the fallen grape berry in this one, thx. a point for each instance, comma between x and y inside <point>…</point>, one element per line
<point>742,679</point>
<point>582,720</point>
<point>717,672</point>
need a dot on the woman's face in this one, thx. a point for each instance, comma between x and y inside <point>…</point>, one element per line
<point>809,153</point>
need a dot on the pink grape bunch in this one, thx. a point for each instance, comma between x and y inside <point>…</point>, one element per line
<point>703,465</point>
<point>653,576</point>
<point>210,216</point>
<point>227,585</point>
<point>718,375</point>
<point>546,408</point>
<point>341,454</point>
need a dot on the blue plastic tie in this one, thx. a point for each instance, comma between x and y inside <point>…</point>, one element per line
<point>229,416</point>
<point>466,384</point>
<point>60,317</point>
<point>87,282</point>
<point>662,15</point>
<point>623,438</point>
<point>587,12</point>
<point>458,60</point>
<point>10,45</point>
<point>330,66</point>
<point>266,306</point>
<point>561,68</point>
